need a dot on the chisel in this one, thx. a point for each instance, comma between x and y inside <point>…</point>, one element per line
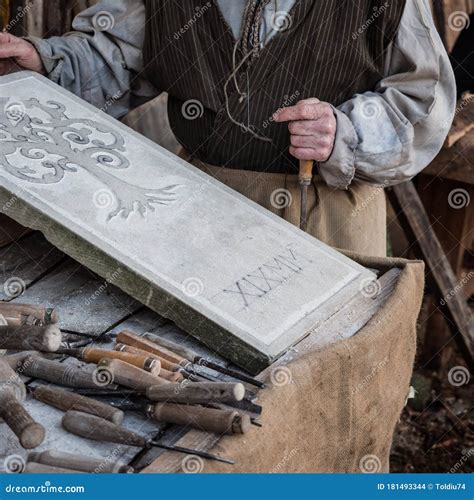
<point>91,355</point>
<point>53,458</point>
<point>128,375</point>
<point>189,355</point>
<point>29,338</point>
<point>61,373</point>
<point>305,177</point>
<point>200,417</point>
<point>27,314</point>
<point>197,393</point>
<point>183,356</point>
<point>98,429</point>
<point>65,400</point>
<point>12,393</point>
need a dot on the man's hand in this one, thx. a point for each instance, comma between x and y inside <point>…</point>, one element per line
<point>17,54</point>
<point>312,126</point>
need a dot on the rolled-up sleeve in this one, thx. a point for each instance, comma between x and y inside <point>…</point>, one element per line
<point>101,59</point>
<point>388,135</point>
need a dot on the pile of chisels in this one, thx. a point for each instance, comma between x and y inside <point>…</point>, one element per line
<point>163,380</point>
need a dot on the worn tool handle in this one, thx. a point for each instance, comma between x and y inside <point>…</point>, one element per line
<point>11,380</point>
<point>180,350</point>
<point>167,365</point>
<point>36,468</point>
<point>24,313</point>
<point>29,433</point>
<point>98,429</point>
<point>171,376</point>
<point>306,171</point>
<point>65,400</point>
<point>129,338</point>
<point>60,373</point>
<point>25,337</point>
<point>197,392</point>
<point>129,375</point>
<point>53,458</point>
<point>146,363</point>
<point>206,419</point>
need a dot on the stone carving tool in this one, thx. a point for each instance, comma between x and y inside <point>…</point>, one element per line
<point>61,373</point>
<point>197,393</point>
<point>305,177</point>
<point>98,429</point>
<point>92,355</point>
<point>53,458</point>
<point>179,355</point>
<point>26,314</point>
<point>165,364</point>
<point>128,375</point>
<point>28,338</point>
<point>12,393</point>
<point>65,400</point>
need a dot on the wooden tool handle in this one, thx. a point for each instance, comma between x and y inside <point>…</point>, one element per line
<point>53,458</point>
<point>167,365</point>
<point>59,373</point>
<point>197,392</point>
<point>36,468</point>
<point>37,338</point>
<point>11,380</point>
<point>146,363</point>
<point>206,419</point>
<point>129,375</point>
<point>180,350</point>
<point>30,433</point>
<point>129,338</point>
<point>65,400</point>
<point>98,429</point>
<point>171,376</point>
<point>306,171</point>
<point>20,313</point>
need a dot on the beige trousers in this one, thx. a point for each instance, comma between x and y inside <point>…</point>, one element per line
<point>352,219</point>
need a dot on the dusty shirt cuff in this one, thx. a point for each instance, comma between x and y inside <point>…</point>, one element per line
<point>339,170</point>
<point>52,62</point>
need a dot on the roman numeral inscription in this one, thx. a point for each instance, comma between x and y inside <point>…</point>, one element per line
<point>267,277</point>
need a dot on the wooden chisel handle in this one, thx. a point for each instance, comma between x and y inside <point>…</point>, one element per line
<point>21,313</point>
<point>130,376</point>
<point>129,338</point>
<point>206,419</point>
<point>65,400</point>
<point>174,377</point>
<point>36,468</point>
<point>197,392</point>
<point>9,379</point>
<point>146,363</point>
<point>60,373</point>
<point>30,338</point>
<point>29,433</point>
<point>167,365</point>
<point>53,458</point>
<point>98,429</point>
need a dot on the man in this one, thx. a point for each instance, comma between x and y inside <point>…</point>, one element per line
<point>364,88</point>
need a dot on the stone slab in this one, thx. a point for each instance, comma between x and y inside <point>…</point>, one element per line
<point>227,271</point>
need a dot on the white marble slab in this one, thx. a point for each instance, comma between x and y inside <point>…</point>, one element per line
<point>231,273</point>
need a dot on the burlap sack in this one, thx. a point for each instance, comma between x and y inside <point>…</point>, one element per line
<point>335,409</point>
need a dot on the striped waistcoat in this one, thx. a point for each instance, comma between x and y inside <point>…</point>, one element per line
<point>331,50</point>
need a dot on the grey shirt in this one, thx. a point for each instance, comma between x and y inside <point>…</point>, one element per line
<point>384,136</point>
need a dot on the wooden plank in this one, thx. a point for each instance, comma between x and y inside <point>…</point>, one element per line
<point>229,272</point>
<point>23,262</point>
<point>346,323</point>
<point>413,214</point>
<point>463,121</point>
<point>85,304</point>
